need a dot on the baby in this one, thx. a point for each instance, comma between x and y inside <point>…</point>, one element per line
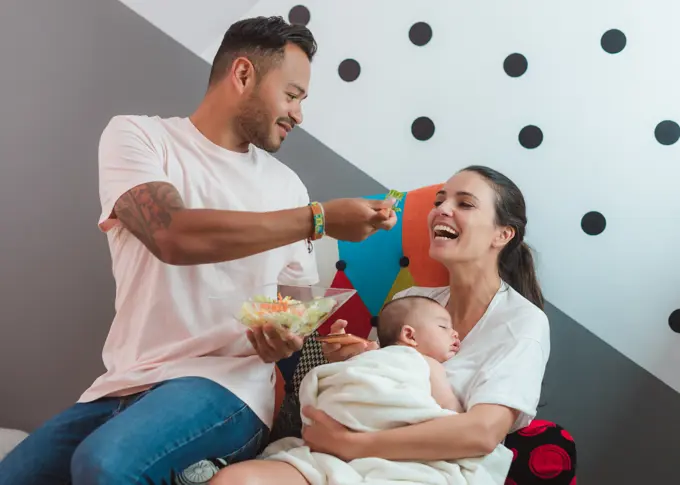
<point>423,324</point>
<point>401,383</point>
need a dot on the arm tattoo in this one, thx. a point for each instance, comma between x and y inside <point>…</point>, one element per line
<point>148,208</point>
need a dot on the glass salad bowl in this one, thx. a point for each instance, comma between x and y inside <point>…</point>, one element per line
<point>297,309</point>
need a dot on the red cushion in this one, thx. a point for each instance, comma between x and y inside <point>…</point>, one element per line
<point>544,454</point>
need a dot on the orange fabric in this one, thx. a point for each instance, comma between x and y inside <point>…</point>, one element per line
<point>416,241</point>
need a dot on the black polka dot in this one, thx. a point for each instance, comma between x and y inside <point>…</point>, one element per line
<point>299,15</point>
<point>422,128</point>
<point>340,265</point>
<point>613,41</point>
<point>374,321</point>
<point>530,136</point>
<point>515,65</point>
<point>420,33</point>
<point>593,223</point>
<point>667,132</point>
<point>404,262</point>
<point>674,321</point>
<point>349,70</point>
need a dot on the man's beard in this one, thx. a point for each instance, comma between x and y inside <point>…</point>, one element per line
<point>257,125</point>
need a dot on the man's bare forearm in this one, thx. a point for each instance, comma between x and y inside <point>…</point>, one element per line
<point>200,236</point>
<point>156,215</point>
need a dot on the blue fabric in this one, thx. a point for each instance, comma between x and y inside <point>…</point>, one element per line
<point>287,367</point>
<point>373,264</point>
<point>150,437</point>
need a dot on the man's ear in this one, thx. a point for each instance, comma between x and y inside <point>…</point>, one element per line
<point>503,236</point>
<point>242,74</point>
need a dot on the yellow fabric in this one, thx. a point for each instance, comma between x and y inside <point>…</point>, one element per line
<point>403,281</point>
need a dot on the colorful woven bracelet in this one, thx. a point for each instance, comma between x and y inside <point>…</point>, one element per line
<point>319,221</point>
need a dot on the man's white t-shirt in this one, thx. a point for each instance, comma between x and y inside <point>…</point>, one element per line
<point>168,323</point>
<point>503,358</point>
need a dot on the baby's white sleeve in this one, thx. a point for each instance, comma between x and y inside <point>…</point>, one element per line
<point>514,380</point>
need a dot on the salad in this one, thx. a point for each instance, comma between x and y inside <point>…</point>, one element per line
<point>298,317</point>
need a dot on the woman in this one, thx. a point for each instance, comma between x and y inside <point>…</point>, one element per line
<point>477,228</point>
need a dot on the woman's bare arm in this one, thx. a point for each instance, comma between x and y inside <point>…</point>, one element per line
<point>476,432</point>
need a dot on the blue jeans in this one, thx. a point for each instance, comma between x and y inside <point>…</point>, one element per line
<point>147,438</point>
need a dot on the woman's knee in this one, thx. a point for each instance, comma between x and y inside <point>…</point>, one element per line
<point>243,473</point>
<point>259,472</point>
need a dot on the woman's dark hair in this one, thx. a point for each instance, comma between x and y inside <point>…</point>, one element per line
<point>262,40</point>
<point>515,262</point>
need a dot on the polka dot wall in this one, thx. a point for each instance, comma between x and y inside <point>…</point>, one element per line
<point>573,100</point>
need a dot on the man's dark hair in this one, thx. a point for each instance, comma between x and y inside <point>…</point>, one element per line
<point>262,40</point>
<point>392,317</point>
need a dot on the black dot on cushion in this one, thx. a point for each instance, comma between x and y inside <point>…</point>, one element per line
<point>349,70</point>
<point>340,265</point>
<point>667,132</point>
<point>404,262</point>
<point>593,223</point>
<point>420,33</point>
<point>422,128</point>
<point>299,15</point>
<point>515,65</point>
<point>613,41</point>
<point>374,321</point>
<point>674,321</point>
<point>530,136</point>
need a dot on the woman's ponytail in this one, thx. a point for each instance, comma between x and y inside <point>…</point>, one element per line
<point>516,267</point>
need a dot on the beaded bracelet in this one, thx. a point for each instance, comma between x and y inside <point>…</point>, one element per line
<point>319,221</point>
<point>319,217</point>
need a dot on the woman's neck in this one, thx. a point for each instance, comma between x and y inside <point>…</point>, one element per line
<point>471,292</point>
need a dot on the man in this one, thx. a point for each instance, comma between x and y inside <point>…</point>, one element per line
<point>193,208</point>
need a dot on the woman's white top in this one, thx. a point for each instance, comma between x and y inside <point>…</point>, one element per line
<point>503,358</point>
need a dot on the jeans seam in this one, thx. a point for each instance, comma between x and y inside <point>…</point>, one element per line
<point>257,436</point>
<point>201,434</point>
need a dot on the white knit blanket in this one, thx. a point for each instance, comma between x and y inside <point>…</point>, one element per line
<point>374,391</point>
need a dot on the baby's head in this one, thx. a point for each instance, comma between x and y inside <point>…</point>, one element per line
<point>419,322</point>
